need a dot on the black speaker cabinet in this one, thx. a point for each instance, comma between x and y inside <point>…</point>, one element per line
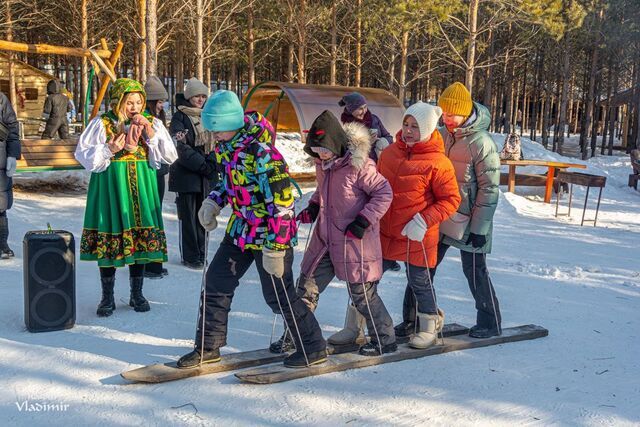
<point>49,280</point>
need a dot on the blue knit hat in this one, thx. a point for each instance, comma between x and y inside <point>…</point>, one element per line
<point>223,112</point>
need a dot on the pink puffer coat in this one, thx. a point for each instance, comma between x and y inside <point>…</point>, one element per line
<point>351,187</point>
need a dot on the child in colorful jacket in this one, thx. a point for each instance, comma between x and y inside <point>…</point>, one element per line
<point>123,217</point>
<point>350,200</point>
<point>425,193</point>
<point>262,228</point>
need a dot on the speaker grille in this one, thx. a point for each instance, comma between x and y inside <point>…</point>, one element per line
<point>51,307</point>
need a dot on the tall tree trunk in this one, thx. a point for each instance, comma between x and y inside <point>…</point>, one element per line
<point>564,95</point>
<point>634,143</point>
<point>589,104</point>
<point>199,39</point>
<point>250,48</point>
<point>607,109</point>
<point>509,98</point>
<point>488,87</point>
<point>84,65</point>
<point>536,95</point>
<point>556,124</point>
<point>334,45</point>
<point>392,72</point>
<point>584,134</point>
<point>404,48</point>
<point>545,114</point>
<point>142,22</point>
<point>152,38</point>
<point>471,49</point>
<point>12,71</point>
<point>179,64</point>
<point>596,118</point>
<point>302,41</point>
<point>290,56</point>
<point>570,112</point>
<point>358,78</point>
<point>613,114</point>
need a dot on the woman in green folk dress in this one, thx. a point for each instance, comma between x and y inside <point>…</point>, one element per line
<point>123,216</point>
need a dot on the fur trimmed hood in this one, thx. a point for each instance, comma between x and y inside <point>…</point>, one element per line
<point>359,143</point>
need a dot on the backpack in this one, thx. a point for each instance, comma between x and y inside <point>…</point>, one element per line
<point>512,149</point>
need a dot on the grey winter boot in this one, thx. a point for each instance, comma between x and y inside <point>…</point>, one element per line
<point>428,327</point>
<point>137,300</point>
<point>107,304</point>
<point>353,331</point>
<point>5,251</point>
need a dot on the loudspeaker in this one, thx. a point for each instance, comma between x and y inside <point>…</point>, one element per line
<point>49,280</point>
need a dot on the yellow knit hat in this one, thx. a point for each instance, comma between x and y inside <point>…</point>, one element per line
<point>456,99</point>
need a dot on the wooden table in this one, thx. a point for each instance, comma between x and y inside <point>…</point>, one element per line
<point>552,166</point>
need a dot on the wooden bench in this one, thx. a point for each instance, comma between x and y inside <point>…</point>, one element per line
<point>47,155</point>
<point>536,179</point>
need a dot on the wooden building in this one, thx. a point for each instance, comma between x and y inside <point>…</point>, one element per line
<point>31,92</point>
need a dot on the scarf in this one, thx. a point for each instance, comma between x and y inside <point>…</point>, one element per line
<point>203,138</point>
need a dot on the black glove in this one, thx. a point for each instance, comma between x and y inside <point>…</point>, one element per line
<point>477,240</point>
<point>308,214</point>
<point>357,227</point>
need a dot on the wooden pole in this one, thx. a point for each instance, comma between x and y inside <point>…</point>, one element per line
<point>113,59</point>
<point>48,49</point>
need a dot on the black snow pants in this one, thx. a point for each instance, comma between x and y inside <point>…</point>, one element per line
<point>479,284</point>
<point>56,124</point>
<point>191,232</point>
<point>229,264</point>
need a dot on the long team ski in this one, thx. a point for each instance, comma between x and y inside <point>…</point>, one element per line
<point>163,372</point>
<point>342,362</point>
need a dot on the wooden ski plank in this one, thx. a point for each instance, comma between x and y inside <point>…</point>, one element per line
<point>449,330</point>
<point>342,362</point>
<point>163,372</point>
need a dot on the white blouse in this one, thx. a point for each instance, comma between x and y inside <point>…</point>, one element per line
<point>93,153</point>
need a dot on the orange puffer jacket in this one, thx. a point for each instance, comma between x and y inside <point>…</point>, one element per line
<point>423,180</point>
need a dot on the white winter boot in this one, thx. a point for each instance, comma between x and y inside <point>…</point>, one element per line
<point>353,331</point>
<point>428,327</point>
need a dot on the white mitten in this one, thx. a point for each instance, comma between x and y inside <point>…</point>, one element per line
<point>273,262</point>
<point>381,144</point>
<point>11,166</point>
<point>415,228</point>
<point>208,213</point>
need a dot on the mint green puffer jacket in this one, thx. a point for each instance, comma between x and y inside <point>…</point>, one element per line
<point>477,165</point>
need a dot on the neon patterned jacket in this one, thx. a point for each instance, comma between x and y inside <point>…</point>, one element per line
<point>255,183</point>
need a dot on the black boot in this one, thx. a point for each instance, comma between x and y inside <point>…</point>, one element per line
<point>373,349</point>
<point>404,329</point>
<point>107,304</point>
<point>191,360</point>
<point>297,359</point>
<point>137,300</point>
<point>284,345</point>
<point>484,332</point>
<point>5,251</point>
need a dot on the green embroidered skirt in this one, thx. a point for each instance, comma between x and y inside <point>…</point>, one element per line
<point>123,216</point>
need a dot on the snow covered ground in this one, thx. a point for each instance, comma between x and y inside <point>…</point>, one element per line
<point>582,283</point>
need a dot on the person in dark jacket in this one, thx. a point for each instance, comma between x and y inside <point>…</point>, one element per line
<point>156,96</point>
<point>9,154</point>
<point>194,173</point>
<point>356,110</point>
<point>56,107</point>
